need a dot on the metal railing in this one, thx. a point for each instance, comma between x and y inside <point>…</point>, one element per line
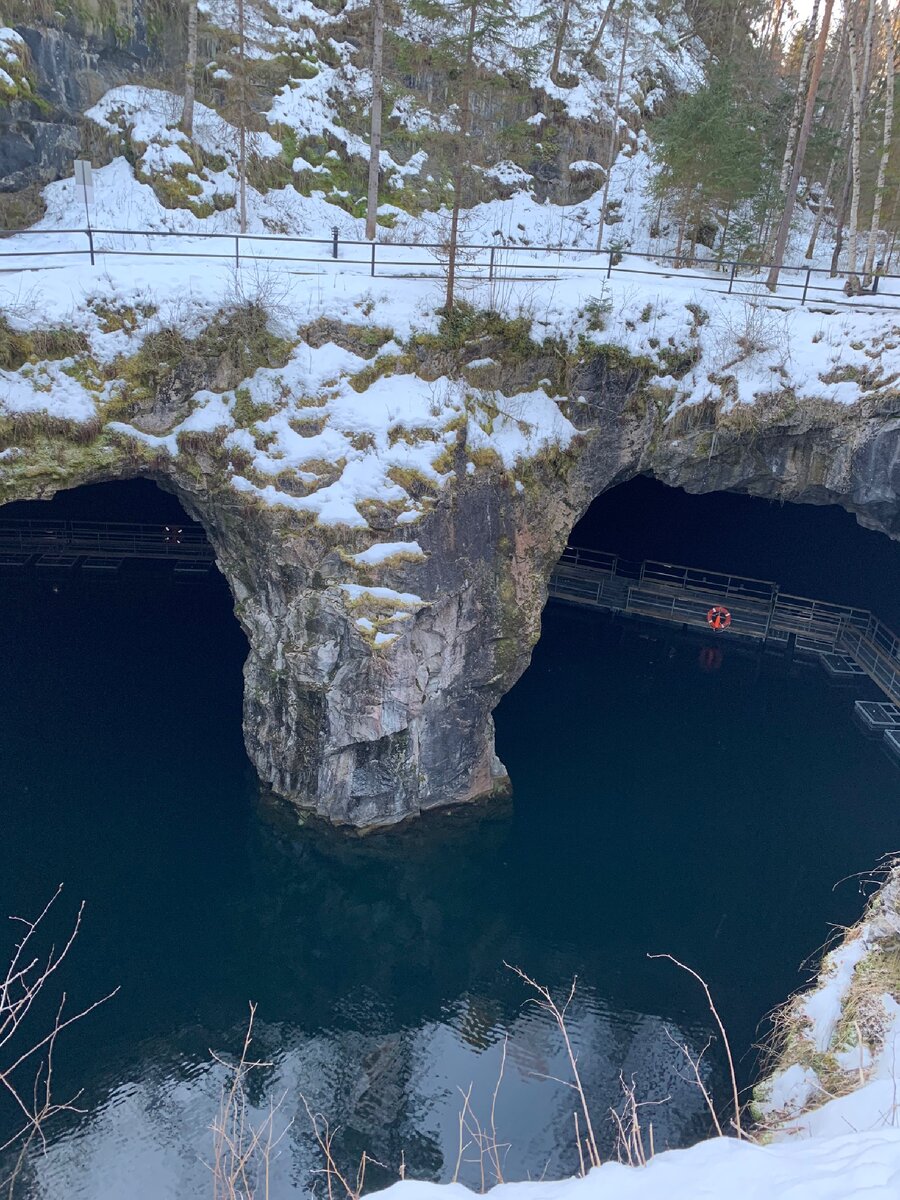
<point>799,283</point>
<point>106,539</point>
<point>759,609</point>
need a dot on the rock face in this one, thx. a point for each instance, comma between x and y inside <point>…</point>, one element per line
<point>368,730</point>
<point>368,738</point>
<point>72,63</point>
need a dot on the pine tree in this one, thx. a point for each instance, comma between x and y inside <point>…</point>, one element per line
<point>712,151</point>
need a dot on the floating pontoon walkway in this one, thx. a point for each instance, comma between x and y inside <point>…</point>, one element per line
<point>850,642</point>
<point>102,546</point>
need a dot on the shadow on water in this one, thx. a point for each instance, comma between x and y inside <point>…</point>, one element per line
<point>662,803</point>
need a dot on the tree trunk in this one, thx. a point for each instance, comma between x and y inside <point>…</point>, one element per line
<point>375,131</point>
<point>802,81</point>
<point>773,28</point>
<point>242,122</point>
<point>820,209</point>
<point>560,38</point>
<point>868,44</point>
<point>840,220</point>
<point>887,19</point>
<point>463,157</point>
<point>802,141</point>
<point>725,224</point>
<point>601,29</point>
<point>190,70</point>
<point>614,135</point>
<point>855,140</point>
<point>893,227</point>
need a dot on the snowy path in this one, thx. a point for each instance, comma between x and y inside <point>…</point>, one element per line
<point>498,264</point>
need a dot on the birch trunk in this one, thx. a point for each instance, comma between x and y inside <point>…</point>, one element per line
<point>887,22</point>
<point>855,139</point>
<point>463,158</point>
<point>614,135</point>
<point>190,70</point>
<point>800,154</point>
<point>375,131</point>
<point>802,82</point>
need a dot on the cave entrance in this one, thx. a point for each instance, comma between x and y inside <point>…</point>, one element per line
<point>700,804</point>
<point>123,681</point>
<point>818,551</point>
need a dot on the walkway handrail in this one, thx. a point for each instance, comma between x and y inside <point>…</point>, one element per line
<point>499,258</point>
<point>176,539</point>
<point>842,626</point>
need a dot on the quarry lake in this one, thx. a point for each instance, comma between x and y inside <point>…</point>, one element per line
<point>664,803</point>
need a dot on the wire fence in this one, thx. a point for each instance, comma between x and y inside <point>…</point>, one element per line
<point>809,286</point>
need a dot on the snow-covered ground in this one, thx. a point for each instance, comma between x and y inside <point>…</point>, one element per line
<point>840,1069</point>
<point>854,1166</point>
<point>733,349</point>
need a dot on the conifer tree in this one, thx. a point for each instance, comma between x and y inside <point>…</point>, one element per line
<point>712,152</point>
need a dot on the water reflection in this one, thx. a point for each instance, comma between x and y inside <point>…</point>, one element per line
<point>396,1092</point>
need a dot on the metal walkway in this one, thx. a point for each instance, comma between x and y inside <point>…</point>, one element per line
<point>101,545</point>
<point>850,641</point>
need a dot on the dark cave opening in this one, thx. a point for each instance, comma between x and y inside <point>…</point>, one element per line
<point>809,550</point>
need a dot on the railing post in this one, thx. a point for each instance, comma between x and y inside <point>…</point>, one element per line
<point>806,285</point>
<point>90,237</point>
<point>731,277</point>
<point>491,266</point>
<point>372,272</point>
<point>237,250</point>
<point>610,264</point>
<point>334,241</point>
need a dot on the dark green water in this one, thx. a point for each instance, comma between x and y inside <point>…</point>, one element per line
<point>659,806</point>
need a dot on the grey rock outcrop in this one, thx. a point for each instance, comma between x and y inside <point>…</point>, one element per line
<point>367,734</point>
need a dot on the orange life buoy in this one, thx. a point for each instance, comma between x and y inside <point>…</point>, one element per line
<point>718,618</point>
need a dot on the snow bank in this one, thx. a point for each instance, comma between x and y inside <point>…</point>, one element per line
<point>840,1067</point>
<point>855,1165</point>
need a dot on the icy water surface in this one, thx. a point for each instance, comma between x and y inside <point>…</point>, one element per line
<point>660,806</point>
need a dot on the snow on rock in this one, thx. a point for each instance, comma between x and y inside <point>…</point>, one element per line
<point>151,118</point>
<point>822,1008</point>
<point>518,426</point>
<point>840,1067</point>
<point>793,1089</point>
<point>383,552</point>
<point>508,175</point>
<point>356,592</point>
<point>46,388</point>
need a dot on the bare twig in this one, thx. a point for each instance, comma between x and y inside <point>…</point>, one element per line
<point>30,970</point>
<point>243,1151</point>
<point>545,1001</point>
<point>724,1035</point>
